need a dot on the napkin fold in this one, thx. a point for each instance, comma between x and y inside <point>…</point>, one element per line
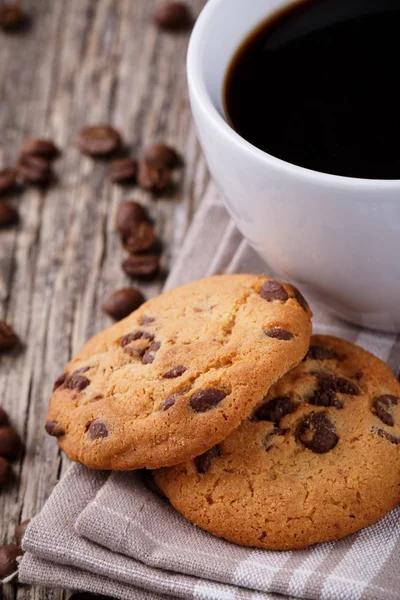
<point>108,534</point>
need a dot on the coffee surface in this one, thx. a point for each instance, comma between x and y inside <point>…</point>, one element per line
<point>317,85</point>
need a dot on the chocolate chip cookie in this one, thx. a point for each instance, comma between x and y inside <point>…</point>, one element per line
<point>318,459</point>
<point>179,374</point>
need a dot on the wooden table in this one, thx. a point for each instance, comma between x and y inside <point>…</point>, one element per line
<point>81,62</point>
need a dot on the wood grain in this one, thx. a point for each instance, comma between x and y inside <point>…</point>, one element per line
<point>81,62</point>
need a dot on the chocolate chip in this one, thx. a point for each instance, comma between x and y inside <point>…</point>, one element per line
<point>316,352</point>
<point>76,382</point>
<point>317,433</point>
<point>8,337</point>
<point>8,216</point>
<point>3,417</point>
<point>268,443</point>
<point>329,386</point>
<point>175,372</point>
<point>169,402</point>
<point>11,17</point>
<point>153,179</point>
<point>278,333</point>
<point>8,559</point>
<point>34,169</point>
<point>141,237</point>
<point>203,462</point>
<point>40,147</point>
<point>20,531</point>
<point>60,381</point>
<point>8,178</point>
<point>129,214</point>
<point>135,335</point>
<point>386,435</point>
<point>146,320</point>
<point>97,430</point>
<point>123,170</point>
<point>173,16</point>
<point>272,290</point>
<point>141,265</point>
<point>275,409</point>
<point>98,140</point>
<point>135,351</point>
<point>150,354</point>
<point>10,442</point>
<point>5,472</point>
<point>325,397</point>
<point>358,375</point>
<point>121,303</point>
<point>206,399</point>
<point>381,406</point>
<point>150,483</point>
<point>300,298</point>
<point>161,155</point>
<point>54,428</point>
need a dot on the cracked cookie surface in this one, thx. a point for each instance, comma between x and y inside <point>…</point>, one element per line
<point>179,374</point>
<point>318,459</point>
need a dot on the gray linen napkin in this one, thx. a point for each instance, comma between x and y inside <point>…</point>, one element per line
<point>108,534</point>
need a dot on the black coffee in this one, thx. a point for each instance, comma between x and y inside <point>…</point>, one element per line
<point>318,85</point>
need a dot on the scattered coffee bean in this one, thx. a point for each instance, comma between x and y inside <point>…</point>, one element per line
<point>129,214</point>
<point>11,17</point>
<point>203,462</point>
<point>8,215</point>
<point>173,16</point>
<point>135,335</point>
<point>141,265</point>
<point>8,178</point>
<point>150,354</point>
<point>386,435</point>
<point>154,179</point>
<point>175,372</point>
<point>317,433</point>
<point>161,155</point>
<point>268,442</point>
<point>5,472</point>
<point>316,352</point>
<point>20,531</point>
<point>274,410</point>
<point>278,334</point>
<point>272,290</point>
<point>300,298</point>
<point>34,169</point>
<point>10,442</point>
<point>3,417</point>
<point>169,402</point>
<point>76,382</point>
<point>40,147</point>
<point>99,140</point>
<point>8,337</point>
<point>140,238</point>
<point>206,399</point>
<point>381,406</point>
<point>54,429</point>
<point>97,430</point>
<point>123,170</point>
<point>120,304</point>
<point>8,559</point>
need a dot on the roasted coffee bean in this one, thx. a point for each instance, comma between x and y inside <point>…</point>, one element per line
<point>20,531</point>
<point>5,472</point>
<point>169,402</point>
<point>10,442</point>
<point>40,147</point>
<point>161,155</point>
<point>34,169</point>
<point>300,298</point>
<point>11,17</point>
<point>275,409</point>
<point>8,178</point>
<point>99,140</point>
<point>8,337</point>
<point>173,16</point>
<point>150,354</point>
<point>8,559</point>
<point>317,433</point>
<point>154,179</point>
<point>141,265</point>
<point>278,333</point>
<point>175,372</point>
<point>381,406</point>
<point>3,417</point>
<point>123,170</point>
<point>203,462</point>
<point>120,304</point>
<point>268,442</point>
<point>8,216</point>
<point>129,214</point>
<point>316,352</point>
<point>97,430</point>
<point>135,335</point>
<point>386,435</point>
<point>140,238</point>
<point>54,428</point>
<point>206,399</point>
<point>272,290</point>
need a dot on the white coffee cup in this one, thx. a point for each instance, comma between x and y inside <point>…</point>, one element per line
<point>337,238</point>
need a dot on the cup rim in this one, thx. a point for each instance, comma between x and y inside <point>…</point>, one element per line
<point>199,90</point>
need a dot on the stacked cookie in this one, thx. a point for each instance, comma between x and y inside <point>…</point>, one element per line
<point>254,434</point>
